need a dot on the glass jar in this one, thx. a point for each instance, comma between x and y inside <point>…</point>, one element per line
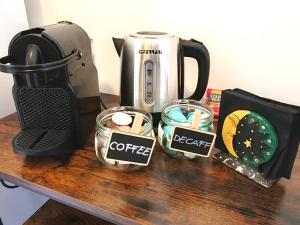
<point>104,126</point>
<point>181,113</point>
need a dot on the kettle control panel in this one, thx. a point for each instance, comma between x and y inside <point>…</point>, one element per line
<point>149,81</point>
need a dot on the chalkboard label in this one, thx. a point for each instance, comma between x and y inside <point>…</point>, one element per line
<point>130,148</point>
<point>192,141</point>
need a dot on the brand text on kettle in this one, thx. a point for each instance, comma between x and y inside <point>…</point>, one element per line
<point>151,51</point>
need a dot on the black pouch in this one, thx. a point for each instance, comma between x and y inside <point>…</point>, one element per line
<point>264,134</point>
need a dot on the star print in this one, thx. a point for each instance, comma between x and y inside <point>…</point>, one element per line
<point>247,143</point>
<point>251,141</point>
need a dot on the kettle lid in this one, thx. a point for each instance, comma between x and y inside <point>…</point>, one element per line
<point>151,35</point>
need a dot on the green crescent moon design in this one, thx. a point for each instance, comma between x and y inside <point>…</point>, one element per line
<point>250,137</point>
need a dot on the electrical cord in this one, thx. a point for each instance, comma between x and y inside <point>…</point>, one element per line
<point>7,185</point>
<point>90,112</point>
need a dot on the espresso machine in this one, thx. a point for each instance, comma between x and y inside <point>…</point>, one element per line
<point>55,86</point>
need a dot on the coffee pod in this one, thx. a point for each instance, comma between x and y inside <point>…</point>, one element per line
<point>125,128</point>
<point>176,115</point>
<point>121,118</point>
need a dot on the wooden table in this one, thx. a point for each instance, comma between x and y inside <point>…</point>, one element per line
<point>168,191</point>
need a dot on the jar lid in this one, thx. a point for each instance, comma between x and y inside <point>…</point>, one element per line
<point>151,35</point>
<point>181,112</point>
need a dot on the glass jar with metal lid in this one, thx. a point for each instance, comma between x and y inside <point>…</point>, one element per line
<point>119,119</point>
<point>181,113</point>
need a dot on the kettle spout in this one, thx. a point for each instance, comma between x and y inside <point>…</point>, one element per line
<point>118,42</point>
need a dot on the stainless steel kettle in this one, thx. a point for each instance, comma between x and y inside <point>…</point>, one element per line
<point>152,69</point>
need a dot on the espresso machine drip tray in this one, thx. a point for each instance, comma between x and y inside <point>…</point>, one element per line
<point>43,142</point>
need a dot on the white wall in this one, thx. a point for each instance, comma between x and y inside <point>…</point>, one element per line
<point>16,205</point>
<point>12,20</point>
<point>253,45</point>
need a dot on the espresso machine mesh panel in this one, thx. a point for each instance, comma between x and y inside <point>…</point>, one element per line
<point>46,108</point>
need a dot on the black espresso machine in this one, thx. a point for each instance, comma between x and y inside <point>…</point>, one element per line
<point>55,88</point>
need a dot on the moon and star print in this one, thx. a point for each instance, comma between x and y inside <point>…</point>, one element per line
<point>250,137</point>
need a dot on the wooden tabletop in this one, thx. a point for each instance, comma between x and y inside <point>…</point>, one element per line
<point>168,191</point>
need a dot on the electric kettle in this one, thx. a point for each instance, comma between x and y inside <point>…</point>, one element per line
<point>152,69</point>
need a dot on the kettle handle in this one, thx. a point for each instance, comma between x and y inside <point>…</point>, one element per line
<point>10,68</point>
<point>197,50</point>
